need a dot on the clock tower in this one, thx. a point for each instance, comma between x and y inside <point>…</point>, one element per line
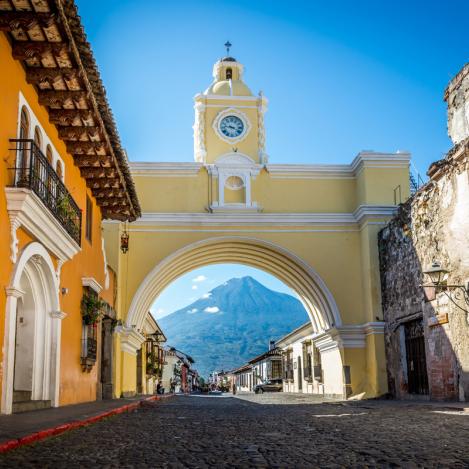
<point>229,137</point>
<point>229,119</point>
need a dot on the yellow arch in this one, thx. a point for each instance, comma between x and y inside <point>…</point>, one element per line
<point>286,266</point>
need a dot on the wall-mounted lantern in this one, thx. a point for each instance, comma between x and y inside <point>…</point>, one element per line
<point>124,242</point>
<point>438,277</point>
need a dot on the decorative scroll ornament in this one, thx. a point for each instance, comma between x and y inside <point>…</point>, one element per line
<point>262,109</point>
<point>200,151</point>
<point>14,225</point>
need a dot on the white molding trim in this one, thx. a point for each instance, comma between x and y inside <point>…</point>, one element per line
<point>26,209</point>
<point>173,170</point>
<point>36,264</point>
<point>14,292</point>
<point>361,214</point>
<point>235,208</point>
<point>219,97</point>
<point>340,171</point>
<point>92,283</point>
<point>320,301</point>
<point>58,314</point>
<point>130,339</point>
<point>285,171</point>
<point>231,111</point>
<point>347,335</point>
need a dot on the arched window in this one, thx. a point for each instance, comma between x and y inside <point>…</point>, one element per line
<point>59,170</point>
<point>21,174</point>
<point>38,138</point>
<point>49,182</point>
<point>229,73</point>
<point>49,154</point>
<point>24,124</point>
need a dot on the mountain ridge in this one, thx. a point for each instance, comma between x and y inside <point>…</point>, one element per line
<point>232,323</point>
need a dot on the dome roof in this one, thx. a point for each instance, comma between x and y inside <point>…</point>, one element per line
<point>222,88</point>
<point>228,59</point>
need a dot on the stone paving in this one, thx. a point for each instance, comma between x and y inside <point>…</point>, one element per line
<point>261,431</point>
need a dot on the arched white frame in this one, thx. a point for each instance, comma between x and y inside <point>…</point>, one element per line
<point>34,263</point>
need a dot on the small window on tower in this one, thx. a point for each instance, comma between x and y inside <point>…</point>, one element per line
<point>229,73</point>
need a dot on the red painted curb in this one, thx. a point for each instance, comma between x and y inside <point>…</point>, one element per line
<point>43,434</point>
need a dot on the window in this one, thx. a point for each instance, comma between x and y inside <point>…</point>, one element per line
<point>58,169</point>
<point>49,154</point>
<point>89,219</point>
<point>229,73</point>
<point>276,369</point>
<point>38,138</point>
<point>23,146</point>
<point>24,125</point>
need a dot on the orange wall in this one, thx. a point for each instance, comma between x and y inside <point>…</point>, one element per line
<point>75,386</point>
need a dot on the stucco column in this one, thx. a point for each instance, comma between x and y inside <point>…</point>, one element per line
<point>13,294</point>
<point>57,317</point>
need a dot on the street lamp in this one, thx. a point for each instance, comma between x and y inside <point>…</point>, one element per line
<point>438,278</point>
<point>438,275</point>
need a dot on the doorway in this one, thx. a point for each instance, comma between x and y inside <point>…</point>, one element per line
<point>139,372</point>
<point>300,376</point>
<point>416,359</point>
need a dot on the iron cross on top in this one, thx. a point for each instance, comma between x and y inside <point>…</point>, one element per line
<point>228,47</point>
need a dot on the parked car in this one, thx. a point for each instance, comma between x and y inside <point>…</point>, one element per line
<point>271,385</point>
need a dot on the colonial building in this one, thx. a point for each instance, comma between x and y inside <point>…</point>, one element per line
<point>267,365</point>
<point>425,271</point>
<point>313,226</point>
<point>243,378</point>
<point>178,374</point>
<point>150,358</point>
<point>62,171</point>
<point>302,370</point>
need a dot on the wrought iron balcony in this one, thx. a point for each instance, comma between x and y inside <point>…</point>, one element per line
<point>33,171</point>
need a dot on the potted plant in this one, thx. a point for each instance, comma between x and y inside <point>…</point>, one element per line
<point>91,309</point>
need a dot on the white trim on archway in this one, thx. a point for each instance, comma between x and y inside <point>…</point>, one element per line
<point>34,263</point>
<point>276,260</point>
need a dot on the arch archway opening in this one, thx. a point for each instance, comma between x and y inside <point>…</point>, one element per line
<point>275,260</point>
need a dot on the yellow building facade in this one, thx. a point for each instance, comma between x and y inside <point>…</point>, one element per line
<point>54,144</point>
<point>312,226</point>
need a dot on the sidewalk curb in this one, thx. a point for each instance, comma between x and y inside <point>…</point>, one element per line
<point>47,433</point>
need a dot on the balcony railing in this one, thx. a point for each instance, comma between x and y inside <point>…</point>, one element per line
<point>33,171</point>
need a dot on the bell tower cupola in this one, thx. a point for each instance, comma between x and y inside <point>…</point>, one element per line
<point>229,119</point>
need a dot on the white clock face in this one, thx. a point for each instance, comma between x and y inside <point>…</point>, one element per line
<point>231,126</point>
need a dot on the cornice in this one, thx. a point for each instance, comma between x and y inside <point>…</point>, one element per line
<point>306,330</point>
<point>286,171</point>
<point>26,209</point>
<point>157,169</point>
<point>340,171</point>
<point>361,214</point>
<point>91,283</point>
<point>130,339</point>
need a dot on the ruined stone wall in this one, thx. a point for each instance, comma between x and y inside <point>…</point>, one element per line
<point>432,226</point>
<point>457,98</point>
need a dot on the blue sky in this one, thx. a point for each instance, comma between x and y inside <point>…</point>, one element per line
<point>194,285</point>
<point>340,76</point>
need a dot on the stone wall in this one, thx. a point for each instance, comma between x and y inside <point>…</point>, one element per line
<point>432,226</point>
<point>457,98</point>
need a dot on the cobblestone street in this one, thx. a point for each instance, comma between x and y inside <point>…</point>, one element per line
<point>261,431</point>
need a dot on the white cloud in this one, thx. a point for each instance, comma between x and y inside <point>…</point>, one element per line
<point>212,309</point>
<point>206,295</point>
<point>157,312</point>
<point>194,287</point>
<point>192,311</point>
<point>199,278</point>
